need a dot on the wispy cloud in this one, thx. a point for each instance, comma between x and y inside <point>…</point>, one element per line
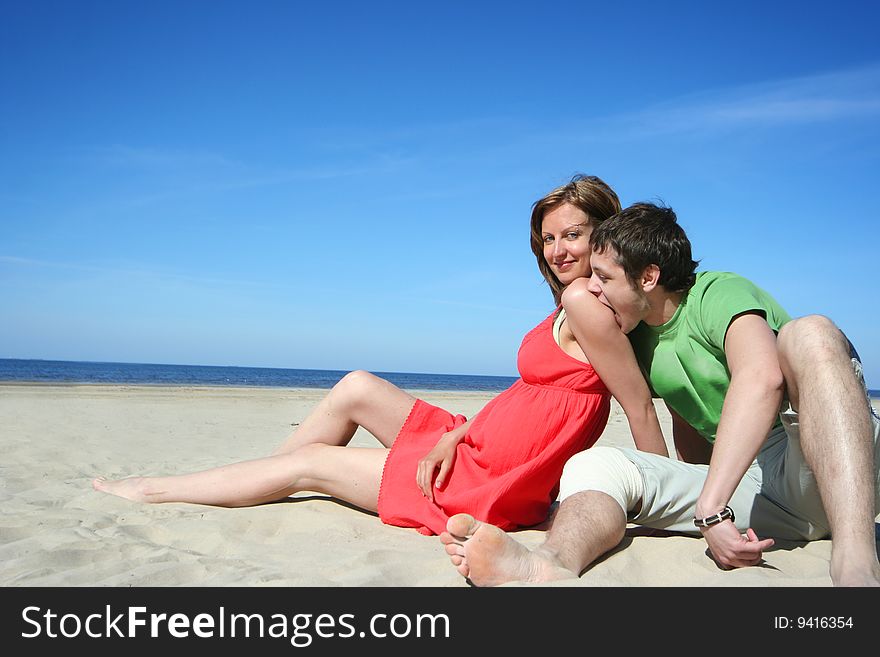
<point>355,152</point>
<point>377,165</point>
<point>454,130</point>
<point>454,303</point>
<point>151,157</point>
<point>835,96</point>
<point>119,272</point>
<point>15,260</point>
<point>247,173</point>
<point>847,95</point>
<point>180,174</point>
<point>824,97</point>
<point>386,298</point>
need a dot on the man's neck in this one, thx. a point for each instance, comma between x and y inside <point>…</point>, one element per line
<point>662,306</point>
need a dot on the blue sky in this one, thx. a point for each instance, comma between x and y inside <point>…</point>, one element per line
<point>349,186</point>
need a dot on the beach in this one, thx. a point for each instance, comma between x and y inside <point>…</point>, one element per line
<point>57,531</point>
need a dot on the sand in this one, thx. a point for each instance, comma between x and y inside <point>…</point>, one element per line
<point>57,531</point>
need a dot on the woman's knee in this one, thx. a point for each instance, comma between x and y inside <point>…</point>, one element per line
<point>304,463</point>
<point>354,387</point>
<point>356,379</point>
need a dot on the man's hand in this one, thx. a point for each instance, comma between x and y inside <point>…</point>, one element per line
<point>732,549</point>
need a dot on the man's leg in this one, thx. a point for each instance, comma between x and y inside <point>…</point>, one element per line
<point>587,525</point>
<point>837,439</point>
<point>598,487</point>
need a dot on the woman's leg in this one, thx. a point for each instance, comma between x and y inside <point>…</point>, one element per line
<point>352,474</point>
<point>359,399</point>
<point>313,458</point>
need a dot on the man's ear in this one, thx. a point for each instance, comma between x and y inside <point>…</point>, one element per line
<point>650,278</point>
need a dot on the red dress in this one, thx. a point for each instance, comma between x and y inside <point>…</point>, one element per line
<point>507,469</point>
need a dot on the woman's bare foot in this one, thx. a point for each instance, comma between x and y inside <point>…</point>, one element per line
<point>487,556</point>
<point>132,488</point>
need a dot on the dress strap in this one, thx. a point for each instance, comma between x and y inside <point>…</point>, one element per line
<point>557,325</point>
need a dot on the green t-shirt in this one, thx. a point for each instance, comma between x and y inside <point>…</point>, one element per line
<point>684,359</point>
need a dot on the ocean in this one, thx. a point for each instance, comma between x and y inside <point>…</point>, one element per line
<point>58,371</point>
<point>63,371</point>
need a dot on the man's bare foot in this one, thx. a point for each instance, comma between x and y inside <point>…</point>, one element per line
<point>132,488</point>
<point>867,580</point>
<point>852,572</point>
<point>487,556</point>
<point>854,562</point>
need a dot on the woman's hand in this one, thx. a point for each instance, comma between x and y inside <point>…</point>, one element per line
<point>442,457</point>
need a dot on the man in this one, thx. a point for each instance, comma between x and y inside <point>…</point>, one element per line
<point>771,415</point>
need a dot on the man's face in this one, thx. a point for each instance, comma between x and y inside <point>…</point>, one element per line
<point>611,286</point>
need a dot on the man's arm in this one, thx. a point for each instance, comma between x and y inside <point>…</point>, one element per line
<point>750,410</point>
<point>690,446</point>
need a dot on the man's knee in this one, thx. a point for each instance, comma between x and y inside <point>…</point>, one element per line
<point>809,341</point>
<point>603,469</point>
<point>812,332</point>
<point>811,349</point>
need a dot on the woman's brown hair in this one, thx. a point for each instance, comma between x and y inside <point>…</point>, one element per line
<point>589,194</point>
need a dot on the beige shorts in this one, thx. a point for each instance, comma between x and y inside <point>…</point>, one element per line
<point>778,496</point>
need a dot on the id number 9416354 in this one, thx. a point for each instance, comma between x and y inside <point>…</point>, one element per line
<point>813,622</point>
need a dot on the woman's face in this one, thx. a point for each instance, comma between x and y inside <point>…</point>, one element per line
<point>566,233</point>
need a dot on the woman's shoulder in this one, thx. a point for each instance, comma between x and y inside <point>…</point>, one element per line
<point>584,309</point>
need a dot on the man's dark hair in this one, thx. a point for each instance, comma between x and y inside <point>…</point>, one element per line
<point>646,234</point>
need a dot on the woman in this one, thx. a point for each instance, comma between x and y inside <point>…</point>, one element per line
<point>503,466</point>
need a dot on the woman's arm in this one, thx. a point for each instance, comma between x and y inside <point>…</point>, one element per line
<point>610,353</point>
